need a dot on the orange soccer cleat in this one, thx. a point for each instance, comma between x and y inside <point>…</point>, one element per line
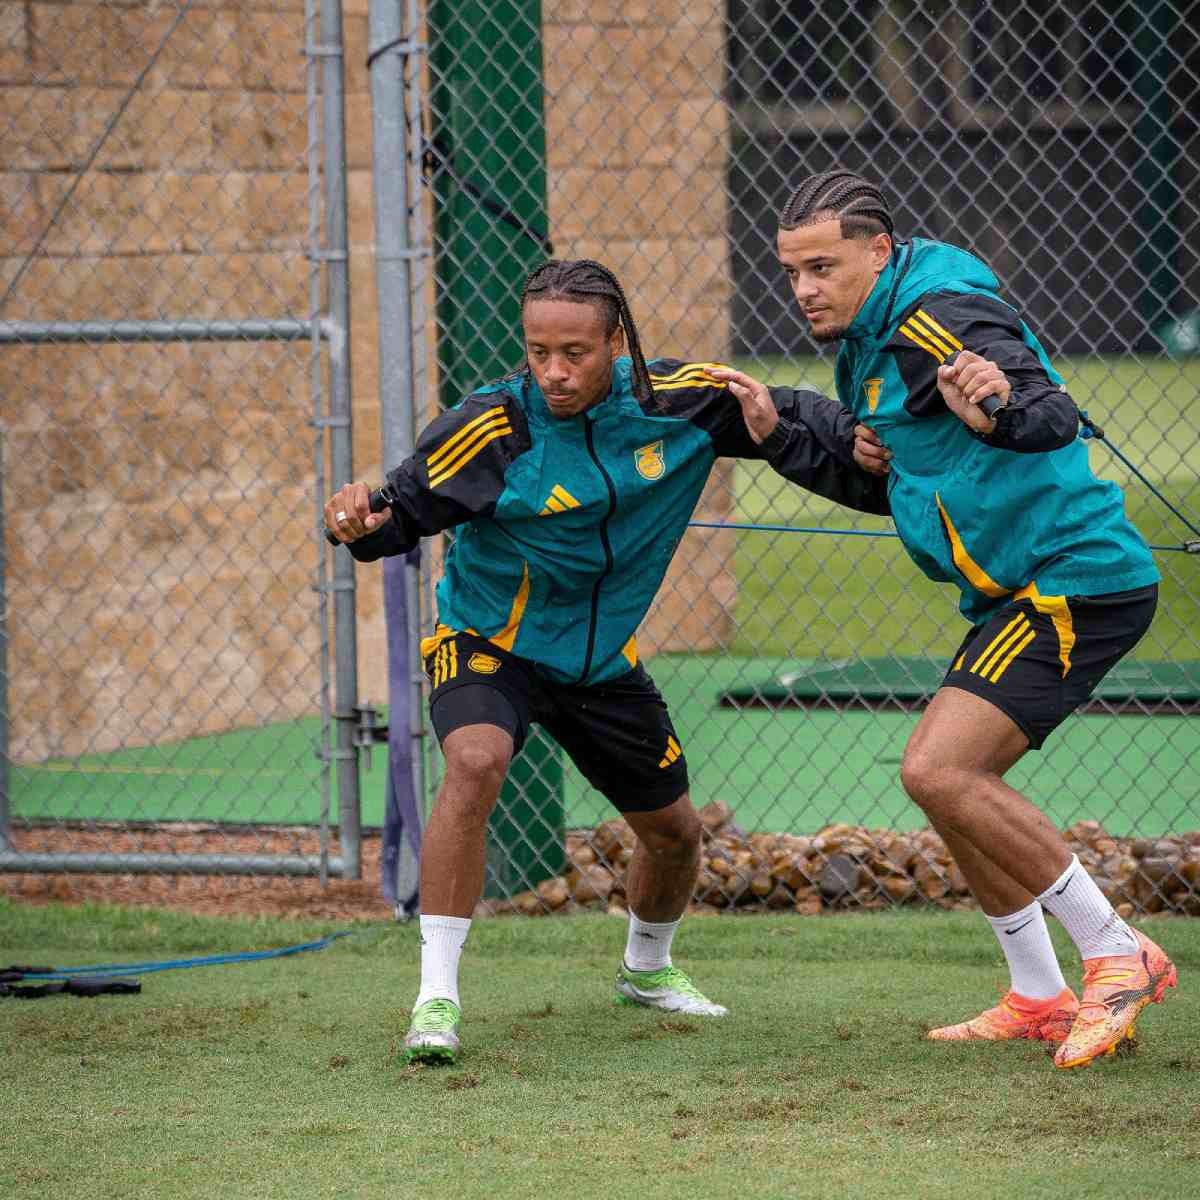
<point>1016,1017</point>
<point>1115,990</point>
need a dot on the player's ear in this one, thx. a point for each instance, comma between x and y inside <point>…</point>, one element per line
<point>616,343</point>
<point>881,251</point>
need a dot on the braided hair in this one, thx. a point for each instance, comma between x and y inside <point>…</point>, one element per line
<point>583,281</point>
<point>859,205</point>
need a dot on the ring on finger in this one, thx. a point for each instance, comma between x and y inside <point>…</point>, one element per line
<point>340,518</point>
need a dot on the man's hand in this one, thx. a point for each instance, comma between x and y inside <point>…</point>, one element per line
<point>966,382</point>
<point>348,514</point>
<point>758,409</point>
<point>869,452</point>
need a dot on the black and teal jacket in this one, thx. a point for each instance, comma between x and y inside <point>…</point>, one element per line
<point>565,527</point>
<point>1015,512</point>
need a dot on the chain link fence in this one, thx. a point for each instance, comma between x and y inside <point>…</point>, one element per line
<point>1059,143</point>
<point>172,310</point>
<point>171,163</point>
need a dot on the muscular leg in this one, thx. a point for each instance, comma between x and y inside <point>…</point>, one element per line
<point>453,857</point>
<point>997,892</point>
<point>453,850</point>
<point>956,752</point>
<point>666,860</point>
<point>660,882</point>
<point>953,767</point>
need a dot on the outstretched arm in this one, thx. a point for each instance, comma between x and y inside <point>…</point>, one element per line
<point>455,474</point>
<point>809,439</point>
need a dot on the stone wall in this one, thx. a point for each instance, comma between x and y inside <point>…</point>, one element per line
<point>158,499</point>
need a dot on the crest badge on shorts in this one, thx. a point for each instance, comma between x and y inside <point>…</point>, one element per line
<point>483,664</point>
<point>649,461</point>
<point>872,387</point>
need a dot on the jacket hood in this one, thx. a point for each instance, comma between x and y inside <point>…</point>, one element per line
<point>916,267</point>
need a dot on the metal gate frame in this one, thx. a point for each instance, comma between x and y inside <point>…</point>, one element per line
<point>328,332</point>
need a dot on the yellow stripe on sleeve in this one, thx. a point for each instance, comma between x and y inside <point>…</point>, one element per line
<point>688,381</point>
<point>485,434</point>
<point>918,326</point>
<point>453,442</point>
<point>686,369</point>
<point>925,319</point>
<point>918,336</point>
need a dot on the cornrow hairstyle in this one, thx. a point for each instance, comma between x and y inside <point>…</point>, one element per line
<point>858,203</point>
<point>586,282</point>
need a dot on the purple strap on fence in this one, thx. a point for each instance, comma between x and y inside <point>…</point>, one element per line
<point>401,817</point>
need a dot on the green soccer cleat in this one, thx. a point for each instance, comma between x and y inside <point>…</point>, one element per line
<point>433,1034</point>
<point>667,988</point>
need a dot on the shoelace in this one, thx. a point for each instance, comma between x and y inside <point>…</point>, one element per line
<point>435,1016</point>
<point>673,977</point>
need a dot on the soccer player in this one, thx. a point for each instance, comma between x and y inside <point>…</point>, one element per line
<point>991,491</point>
<point>570,483</point>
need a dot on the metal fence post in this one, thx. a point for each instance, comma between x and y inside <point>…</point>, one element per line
<point>394,52</point>
<point>341,442</point>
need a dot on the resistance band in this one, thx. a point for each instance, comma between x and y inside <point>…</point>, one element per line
<point>1090,430</point>
<point>45,974</point>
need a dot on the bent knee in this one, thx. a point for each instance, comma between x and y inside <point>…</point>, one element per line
<point>926,780</point>
<point>937,787</point>
<point>477,766</point>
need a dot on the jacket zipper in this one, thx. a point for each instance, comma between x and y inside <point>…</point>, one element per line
<point>608,555</point>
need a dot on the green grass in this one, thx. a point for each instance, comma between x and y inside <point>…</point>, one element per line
<point>280,1079</point>
<point>808,596</point>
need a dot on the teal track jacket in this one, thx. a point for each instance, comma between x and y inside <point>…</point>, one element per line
<point>1015,512</point>
<point>565,526</point>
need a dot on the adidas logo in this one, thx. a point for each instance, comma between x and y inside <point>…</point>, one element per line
<point>673,752</point>
<point>558,501</point>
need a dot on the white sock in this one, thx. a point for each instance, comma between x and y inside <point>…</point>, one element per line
<point>1086,915</point>
<point>1032,964</point>
<point>648,946</point>
<point>442,941</point>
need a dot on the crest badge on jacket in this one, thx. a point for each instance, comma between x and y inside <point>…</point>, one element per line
<point>649,461</point>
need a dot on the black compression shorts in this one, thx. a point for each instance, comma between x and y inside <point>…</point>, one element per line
<point>619,734</point>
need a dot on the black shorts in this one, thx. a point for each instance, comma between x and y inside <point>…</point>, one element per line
<point>619,734</point>
<point>1040,657</point>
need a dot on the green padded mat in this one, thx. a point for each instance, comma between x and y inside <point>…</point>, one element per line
<point>913,680</point>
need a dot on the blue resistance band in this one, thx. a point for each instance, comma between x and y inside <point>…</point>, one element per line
<point>213,960</point>
<point>1090,430</point>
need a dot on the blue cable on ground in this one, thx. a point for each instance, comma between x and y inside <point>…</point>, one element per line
<point>146,968</point>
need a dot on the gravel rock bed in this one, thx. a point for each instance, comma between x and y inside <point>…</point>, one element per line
<point>838,868</point>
